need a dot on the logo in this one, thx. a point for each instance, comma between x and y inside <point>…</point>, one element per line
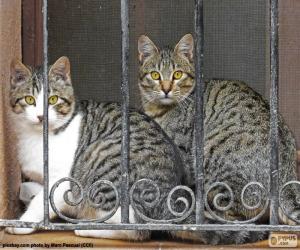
<point>283,240</point>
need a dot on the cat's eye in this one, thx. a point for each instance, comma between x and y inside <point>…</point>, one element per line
<point>155,75</point>
<point>30,100</point>
<point>177,75</point>
<point>53,99</point>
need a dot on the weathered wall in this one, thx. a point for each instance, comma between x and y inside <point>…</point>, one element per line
<point>10,47</point>
<point>289,63</point>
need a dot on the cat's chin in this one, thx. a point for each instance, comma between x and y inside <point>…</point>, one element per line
<point>38,127</point>
<point>166,101</point>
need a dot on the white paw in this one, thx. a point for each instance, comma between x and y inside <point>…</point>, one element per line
<point>103,234</point>
<point>17,230</point>
<point>81,233</point>
<point>108,234</point>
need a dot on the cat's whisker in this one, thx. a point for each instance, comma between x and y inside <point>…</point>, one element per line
<point>149,100</point>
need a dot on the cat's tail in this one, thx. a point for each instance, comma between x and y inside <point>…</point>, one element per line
<point>217,237</point>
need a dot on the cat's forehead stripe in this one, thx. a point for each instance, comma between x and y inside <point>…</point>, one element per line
<point>166,60</point>
<point>36,83</point>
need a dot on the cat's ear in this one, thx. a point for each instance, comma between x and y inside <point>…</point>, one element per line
<point>61,68</point>
<point>19,73</point>
<point>146,48</point>
<point>185,47</point>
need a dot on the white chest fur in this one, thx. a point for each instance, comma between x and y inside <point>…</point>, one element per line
<point>62,149</point>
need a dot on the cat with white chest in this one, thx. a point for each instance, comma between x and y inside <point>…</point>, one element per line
<point>85,143</point>
<point>27,99</point>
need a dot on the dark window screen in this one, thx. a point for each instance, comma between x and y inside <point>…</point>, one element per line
<point>89,33</point>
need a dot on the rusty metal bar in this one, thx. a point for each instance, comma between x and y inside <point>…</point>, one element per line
<point>151,226</point>
<point>45,121</point>
<point>274,140</point>
<point>199,111</point>
<point>125,116</point>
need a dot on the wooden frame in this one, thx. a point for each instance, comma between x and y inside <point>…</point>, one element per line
<point>10,48</point>
<point>32,32</point>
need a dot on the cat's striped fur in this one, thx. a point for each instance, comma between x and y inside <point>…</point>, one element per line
<point>85,143</point>
<point>236,125</point>
<point>98,156</point>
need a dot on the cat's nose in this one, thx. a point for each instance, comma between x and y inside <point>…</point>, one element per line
<point>40,117</point>
<point>166,91</point>
<point>166,87</point>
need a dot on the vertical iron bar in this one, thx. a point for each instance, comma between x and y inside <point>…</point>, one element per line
<point>125,117</point>
<point>199,112</point>
<point>274,113</point>
<point>45,111</point>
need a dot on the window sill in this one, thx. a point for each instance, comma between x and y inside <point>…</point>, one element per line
<point>68,237</point>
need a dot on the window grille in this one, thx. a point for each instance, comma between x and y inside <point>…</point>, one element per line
<point>199,198</point>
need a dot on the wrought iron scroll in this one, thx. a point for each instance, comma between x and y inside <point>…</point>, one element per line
<point>255,190</point>
<point>189,206</point>
<point>260,196</point>
<point>294,214</point>
<point>84,198</point>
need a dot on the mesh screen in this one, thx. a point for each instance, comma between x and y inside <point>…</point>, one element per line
<point>89,33</point>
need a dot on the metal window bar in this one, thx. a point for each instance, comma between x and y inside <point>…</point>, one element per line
<point>199,112</point>
<point>274,192</point>
<point>45,121</point>
<point>125,116</point>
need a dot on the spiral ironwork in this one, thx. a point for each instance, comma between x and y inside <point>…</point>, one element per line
<point>180,216</point>
<point>84,196</point>
<point>290,214</point>
<point>230,196</point>
<point>185,202</point>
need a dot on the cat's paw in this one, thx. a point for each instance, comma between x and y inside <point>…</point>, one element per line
<point>17,230</point>
<point>110,234</point>
<point>82,233</point>
<point>102,234</point>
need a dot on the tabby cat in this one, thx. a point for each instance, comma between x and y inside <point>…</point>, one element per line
<point>85,143</point>
<point>236,125</point>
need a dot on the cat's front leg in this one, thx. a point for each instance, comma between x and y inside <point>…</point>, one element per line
<point>35,210</point>
<point>34,213</point>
